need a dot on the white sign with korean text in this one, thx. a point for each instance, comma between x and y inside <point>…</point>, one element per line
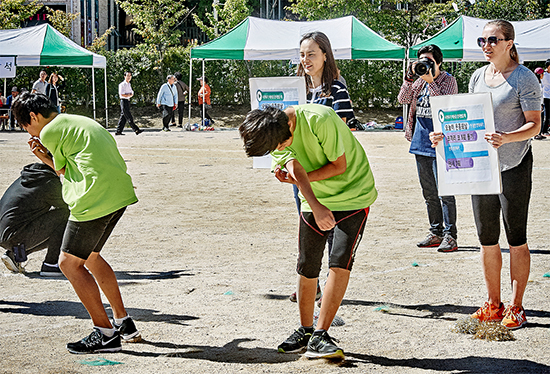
<point>279,92</point>
<point>466,163</point>
<point>7,67</point>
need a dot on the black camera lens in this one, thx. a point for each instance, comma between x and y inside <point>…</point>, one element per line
<point>423,66</point>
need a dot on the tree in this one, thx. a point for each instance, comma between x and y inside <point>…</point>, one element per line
<point>223,18</point>
<point>14,12</point>
<point>156,21</point>
<point>510,10</point>
<point>62,21</point>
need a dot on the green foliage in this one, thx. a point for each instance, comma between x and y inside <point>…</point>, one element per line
<point>510,10</point>
<point>14,12</point>
<point>228,16</point>
<point>156,21</point>
<point>62,21</point>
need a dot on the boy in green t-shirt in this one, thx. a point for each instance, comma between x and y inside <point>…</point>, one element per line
<point>97,189</point>
<point>315,150</point>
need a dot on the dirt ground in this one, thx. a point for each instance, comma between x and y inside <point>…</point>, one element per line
<point>206,261</point>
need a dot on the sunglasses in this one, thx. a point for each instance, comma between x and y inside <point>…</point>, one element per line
<point>492,40</point>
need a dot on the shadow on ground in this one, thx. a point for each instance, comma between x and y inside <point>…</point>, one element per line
<point>77,310</point>
<point>229,353</point>
<point>463,365</point>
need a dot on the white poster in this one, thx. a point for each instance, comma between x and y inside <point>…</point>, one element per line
<point>279,92</point>
<point>466,163</point>
<point>7,67</point>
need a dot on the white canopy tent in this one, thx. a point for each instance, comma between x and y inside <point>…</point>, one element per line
<point>45,46</point>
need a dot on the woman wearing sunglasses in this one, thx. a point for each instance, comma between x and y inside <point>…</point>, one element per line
<point>516,103</point>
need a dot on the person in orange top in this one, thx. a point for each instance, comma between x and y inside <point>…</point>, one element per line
<point>204,94</point>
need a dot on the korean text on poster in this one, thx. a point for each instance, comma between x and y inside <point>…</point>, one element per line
<point>466,163</point>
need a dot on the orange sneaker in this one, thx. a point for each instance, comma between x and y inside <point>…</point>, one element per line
<point>514,317</point>
<point>489,313</point>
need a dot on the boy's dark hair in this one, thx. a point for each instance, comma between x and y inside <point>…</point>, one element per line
<point>178,75</point>
<point>28,102</point>
<point>263,130</point>
<point>434,50</point>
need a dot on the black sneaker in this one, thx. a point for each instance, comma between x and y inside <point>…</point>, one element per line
<point>295,343</point>
<point>128,331</point>
<point>96,342</point>
<point>321,345</point>
<point>139,131</point>
<point>50,271</point>
<point>119,133</point>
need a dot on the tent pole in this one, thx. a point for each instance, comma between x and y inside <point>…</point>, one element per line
<point>203,97</point>
<point>93,90</point>
<point>190,85</point>
<point>106,110</point>
<point>405,106</point>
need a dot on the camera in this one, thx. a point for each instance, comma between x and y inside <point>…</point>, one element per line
<point>423,66</point>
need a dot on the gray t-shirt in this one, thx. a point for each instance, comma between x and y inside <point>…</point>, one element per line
<point>40,86</point>
<point>519,93</point>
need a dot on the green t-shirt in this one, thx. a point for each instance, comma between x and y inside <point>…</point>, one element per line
<point>321,137</point>
<point>95,183</point>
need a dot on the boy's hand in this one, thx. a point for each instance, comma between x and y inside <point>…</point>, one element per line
<point>435,138</point>
<point>323,217</point>
<point>283,176</point>
<point>38,149</point>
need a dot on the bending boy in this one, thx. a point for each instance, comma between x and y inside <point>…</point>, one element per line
<point>97,189</point>
<point>315,150</point>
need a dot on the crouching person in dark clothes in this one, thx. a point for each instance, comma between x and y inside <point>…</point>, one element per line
<point>33,216</point>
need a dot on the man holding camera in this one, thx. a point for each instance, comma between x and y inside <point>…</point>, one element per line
<point>431,82</point>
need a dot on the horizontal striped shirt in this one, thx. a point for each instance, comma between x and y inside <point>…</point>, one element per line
<point>338,100</point>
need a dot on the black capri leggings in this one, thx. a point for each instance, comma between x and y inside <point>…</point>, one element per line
<point>514,202</point>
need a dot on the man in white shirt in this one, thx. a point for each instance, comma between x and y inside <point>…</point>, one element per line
<point>40,85</point>
<point>125,92</point>
<point>545,82</point>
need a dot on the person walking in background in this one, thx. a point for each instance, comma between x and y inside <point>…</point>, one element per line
<point>539,72</point>
<point>40,85</point>
<point>434,82</point>
<point>516,104</point>
<point>9,103</point>
<point>167,101</point>
<point>183,89</point>
<point>52,91</point>
<point>125,93</point>
<point>545,82</point>
<point>204,98</point>
<point>33,216</point>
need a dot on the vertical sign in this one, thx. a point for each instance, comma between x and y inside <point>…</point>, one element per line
<point>279,92</point>
<point>466,163</point>
<point>7,67</point>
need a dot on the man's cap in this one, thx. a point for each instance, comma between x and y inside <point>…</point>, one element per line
<point>539,70</point>
<point>14,89</point>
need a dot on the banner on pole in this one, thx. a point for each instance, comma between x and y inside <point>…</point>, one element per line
<point>279,92</point>
<point>7,67</point>
<point>466,163</point>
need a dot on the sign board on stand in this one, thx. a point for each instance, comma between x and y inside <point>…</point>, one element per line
<point>466,163</point>
<point>7,67</point>
<point>279,92</point>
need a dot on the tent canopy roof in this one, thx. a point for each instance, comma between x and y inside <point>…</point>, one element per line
<point>459,40</point>
<point>45,46</point>
<point>263,39</point>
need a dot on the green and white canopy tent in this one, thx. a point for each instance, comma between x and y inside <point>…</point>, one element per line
<point>264,39</point>
<point>458,41</point>
<point>45,46</point>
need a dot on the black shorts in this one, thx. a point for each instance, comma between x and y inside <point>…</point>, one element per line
<point>82,238</point>
<point>514,203</point>
<point>347,236</point>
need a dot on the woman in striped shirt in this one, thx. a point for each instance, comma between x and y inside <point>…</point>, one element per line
<point>323,81</point>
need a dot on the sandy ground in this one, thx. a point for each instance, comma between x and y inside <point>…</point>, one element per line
<point>206,261</point>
